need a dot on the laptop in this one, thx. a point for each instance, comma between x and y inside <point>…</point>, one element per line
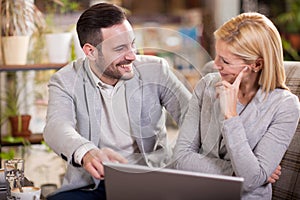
<point>136,182</point>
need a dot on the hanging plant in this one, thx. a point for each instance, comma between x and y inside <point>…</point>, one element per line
<point>18,21</point>
<point>20,17</point>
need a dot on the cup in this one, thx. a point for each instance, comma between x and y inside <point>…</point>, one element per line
<point>3,185</point>
<point>14,173</point>
<point>2,176</point>
<point>29,193</point>
<point>48,189</point>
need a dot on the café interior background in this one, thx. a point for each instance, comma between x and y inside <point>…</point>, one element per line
<point>159,25</point>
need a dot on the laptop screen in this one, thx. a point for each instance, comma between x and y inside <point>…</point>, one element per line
<point>135,182</point>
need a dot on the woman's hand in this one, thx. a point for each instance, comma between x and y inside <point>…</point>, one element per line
<point>93,159</point>
<point>228,94</point>
<point>275,176</point>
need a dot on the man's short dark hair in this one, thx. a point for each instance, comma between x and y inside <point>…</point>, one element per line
<point>102,15</point>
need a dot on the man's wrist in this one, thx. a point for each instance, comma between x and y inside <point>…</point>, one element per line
<point>81,151</point>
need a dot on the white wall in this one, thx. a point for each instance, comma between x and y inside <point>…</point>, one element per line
<point>225,10</point>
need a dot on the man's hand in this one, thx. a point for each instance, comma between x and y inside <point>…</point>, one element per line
<point>93,159</point>
<point>275,176</point>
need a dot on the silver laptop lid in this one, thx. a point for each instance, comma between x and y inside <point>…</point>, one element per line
<point>135,182</point>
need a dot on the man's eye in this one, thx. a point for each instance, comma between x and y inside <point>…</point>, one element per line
<point>119,49</point>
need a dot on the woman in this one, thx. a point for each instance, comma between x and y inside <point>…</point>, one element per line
<point>241,120</point>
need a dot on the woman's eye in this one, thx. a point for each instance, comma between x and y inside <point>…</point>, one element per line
<point>224,61</point>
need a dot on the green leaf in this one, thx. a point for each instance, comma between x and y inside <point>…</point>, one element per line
<point>7,155</point>
<point>11,139</point>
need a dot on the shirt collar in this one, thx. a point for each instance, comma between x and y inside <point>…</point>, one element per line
<point>95,78</point>
<point>103,85</point>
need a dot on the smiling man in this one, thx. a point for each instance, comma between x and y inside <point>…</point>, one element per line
<point>109,106</point>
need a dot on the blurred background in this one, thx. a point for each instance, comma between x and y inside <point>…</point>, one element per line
<point>179,30</point>
<point>203,15</point>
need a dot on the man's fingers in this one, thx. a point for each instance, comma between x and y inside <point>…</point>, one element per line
<point>114,156</point>
<point>93,163</point>
<point>95,169</point>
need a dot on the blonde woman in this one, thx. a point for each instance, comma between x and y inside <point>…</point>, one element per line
<point>241,120</point>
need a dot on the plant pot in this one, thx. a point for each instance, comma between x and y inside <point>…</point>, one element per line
<point>15,49</point>
<point>78,50</point>
<point>295,40</point>
<point>58,47</point>
<point>20,125</point>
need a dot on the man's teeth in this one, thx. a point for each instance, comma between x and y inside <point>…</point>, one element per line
<point>124,66</point>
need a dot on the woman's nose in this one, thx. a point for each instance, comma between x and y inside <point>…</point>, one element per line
<point>217,64</point>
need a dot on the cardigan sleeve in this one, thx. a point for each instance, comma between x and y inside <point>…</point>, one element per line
<point>187,155</point>
<point>256,164</point>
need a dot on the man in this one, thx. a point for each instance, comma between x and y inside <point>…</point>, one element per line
<point>109,106</point>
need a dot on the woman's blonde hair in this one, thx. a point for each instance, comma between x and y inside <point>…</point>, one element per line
<point>253,36</point>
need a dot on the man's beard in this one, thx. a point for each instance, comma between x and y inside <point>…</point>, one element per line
<point>113,72</point>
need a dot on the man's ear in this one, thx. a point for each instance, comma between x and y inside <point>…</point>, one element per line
<point>89,51</point>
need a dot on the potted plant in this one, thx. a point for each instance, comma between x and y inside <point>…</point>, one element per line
<point>12,100</point>
<point>18,20</point>
<point>289,23</point>
<point>10,153</point>
<point>55,33</point>
<point>289,51</point>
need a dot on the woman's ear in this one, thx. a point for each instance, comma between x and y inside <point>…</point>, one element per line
<point>89,51</point>
<point>259,64</point>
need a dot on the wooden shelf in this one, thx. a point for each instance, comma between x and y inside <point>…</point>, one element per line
<point>35,138</point>
<point>44,66</point>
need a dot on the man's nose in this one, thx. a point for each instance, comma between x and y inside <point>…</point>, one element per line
<point>131,54</point>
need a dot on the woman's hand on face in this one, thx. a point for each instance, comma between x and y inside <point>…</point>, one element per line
<point>93,159</point>
<point>228,94</point>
